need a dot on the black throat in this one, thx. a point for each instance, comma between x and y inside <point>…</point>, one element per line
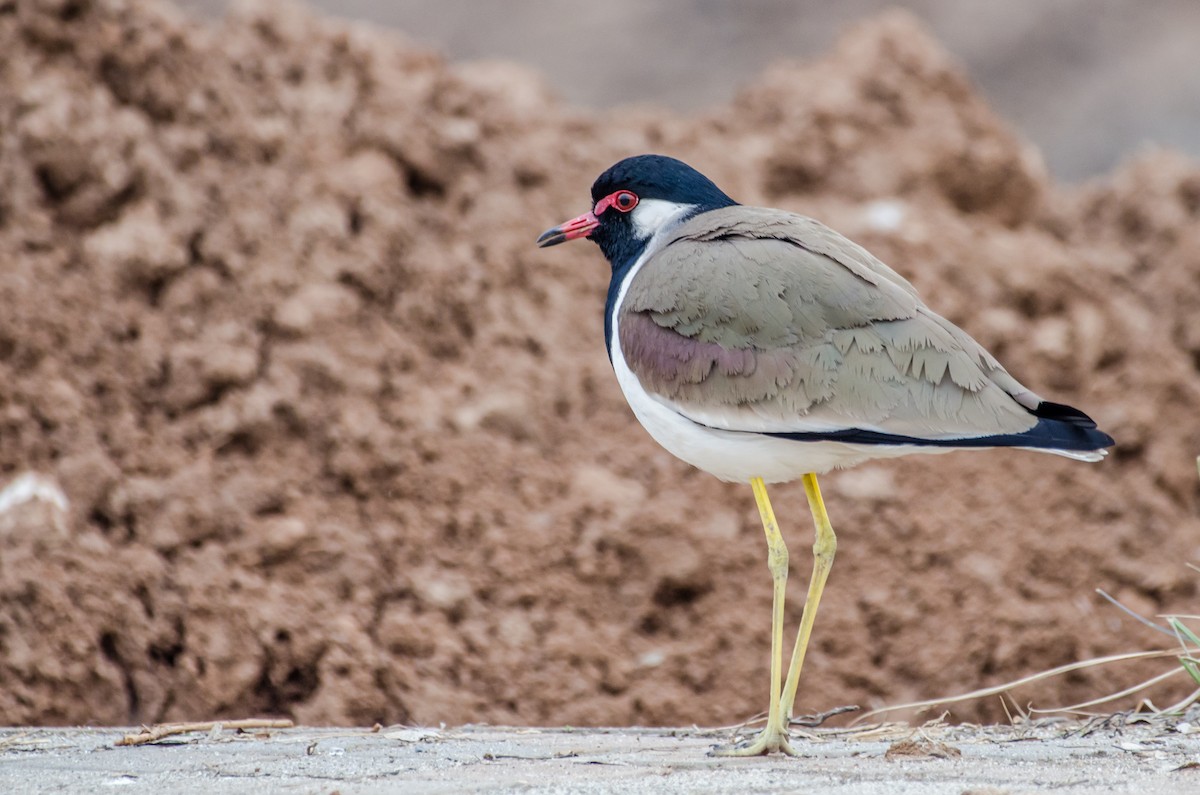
<point>620,272</point>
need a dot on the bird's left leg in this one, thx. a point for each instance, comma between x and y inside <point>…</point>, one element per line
<point>774,737</point>
<point>824,549</point>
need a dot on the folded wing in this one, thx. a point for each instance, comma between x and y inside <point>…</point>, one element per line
<point>764,321</point>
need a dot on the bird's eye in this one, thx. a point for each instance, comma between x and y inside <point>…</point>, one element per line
<point>622,200</point>
<point>625,201</point>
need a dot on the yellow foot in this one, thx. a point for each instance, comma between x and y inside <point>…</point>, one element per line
<point>769,740</point>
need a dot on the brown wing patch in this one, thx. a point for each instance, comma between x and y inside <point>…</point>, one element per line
<point>696,372</point>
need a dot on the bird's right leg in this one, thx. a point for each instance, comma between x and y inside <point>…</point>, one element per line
<point>824,548</point>
<point>774,737</point>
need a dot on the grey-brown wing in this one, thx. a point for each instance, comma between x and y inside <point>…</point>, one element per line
<point>774,323</point>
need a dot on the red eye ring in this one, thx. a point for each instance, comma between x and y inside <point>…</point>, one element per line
<point>622,200</point>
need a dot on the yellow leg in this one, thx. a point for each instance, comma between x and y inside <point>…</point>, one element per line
<point>823,551</point>
<point>774,737</point>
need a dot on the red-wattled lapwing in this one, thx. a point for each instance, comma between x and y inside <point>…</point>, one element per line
<point>764,347</point>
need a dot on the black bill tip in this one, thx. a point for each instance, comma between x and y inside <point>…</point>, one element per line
<point>551,237</point>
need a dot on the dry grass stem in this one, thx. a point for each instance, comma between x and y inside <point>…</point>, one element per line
<point>1004,688</point>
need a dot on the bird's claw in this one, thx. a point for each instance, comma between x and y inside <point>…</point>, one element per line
<point>769,740</point>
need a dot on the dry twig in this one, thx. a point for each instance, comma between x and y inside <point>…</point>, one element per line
<point>813,721</point>
<point>152,734</point>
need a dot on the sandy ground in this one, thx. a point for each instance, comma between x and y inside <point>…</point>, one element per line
<point>979,761</point>
<point>320,433</point>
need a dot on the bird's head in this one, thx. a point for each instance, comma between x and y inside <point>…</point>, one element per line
<point>633,200</point>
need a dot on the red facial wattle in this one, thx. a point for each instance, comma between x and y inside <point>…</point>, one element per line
<point>583,226</point>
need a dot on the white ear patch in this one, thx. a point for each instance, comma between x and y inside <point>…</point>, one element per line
<point>651,215</point>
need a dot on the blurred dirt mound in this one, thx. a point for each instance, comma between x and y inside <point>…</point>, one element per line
<point>339,443</point>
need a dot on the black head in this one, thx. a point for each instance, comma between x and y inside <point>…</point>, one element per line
<point>667,191</point>
<point>634,199</point>
<point>660,177</point>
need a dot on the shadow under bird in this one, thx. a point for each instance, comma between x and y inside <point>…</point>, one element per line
<point>763,347</point>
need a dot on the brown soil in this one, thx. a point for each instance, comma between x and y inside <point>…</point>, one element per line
<point>341,444</point>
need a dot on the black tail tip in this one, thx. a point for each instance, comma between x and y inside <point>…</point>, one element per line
<point>1070,428</point>
<point>1063,413</point>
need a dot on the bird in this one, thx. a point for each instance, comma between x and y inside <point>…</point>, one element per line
<point>763,347</point>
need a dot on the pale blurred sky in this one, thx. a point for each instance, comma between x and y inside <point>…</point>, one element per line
<point>1089,81</point>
